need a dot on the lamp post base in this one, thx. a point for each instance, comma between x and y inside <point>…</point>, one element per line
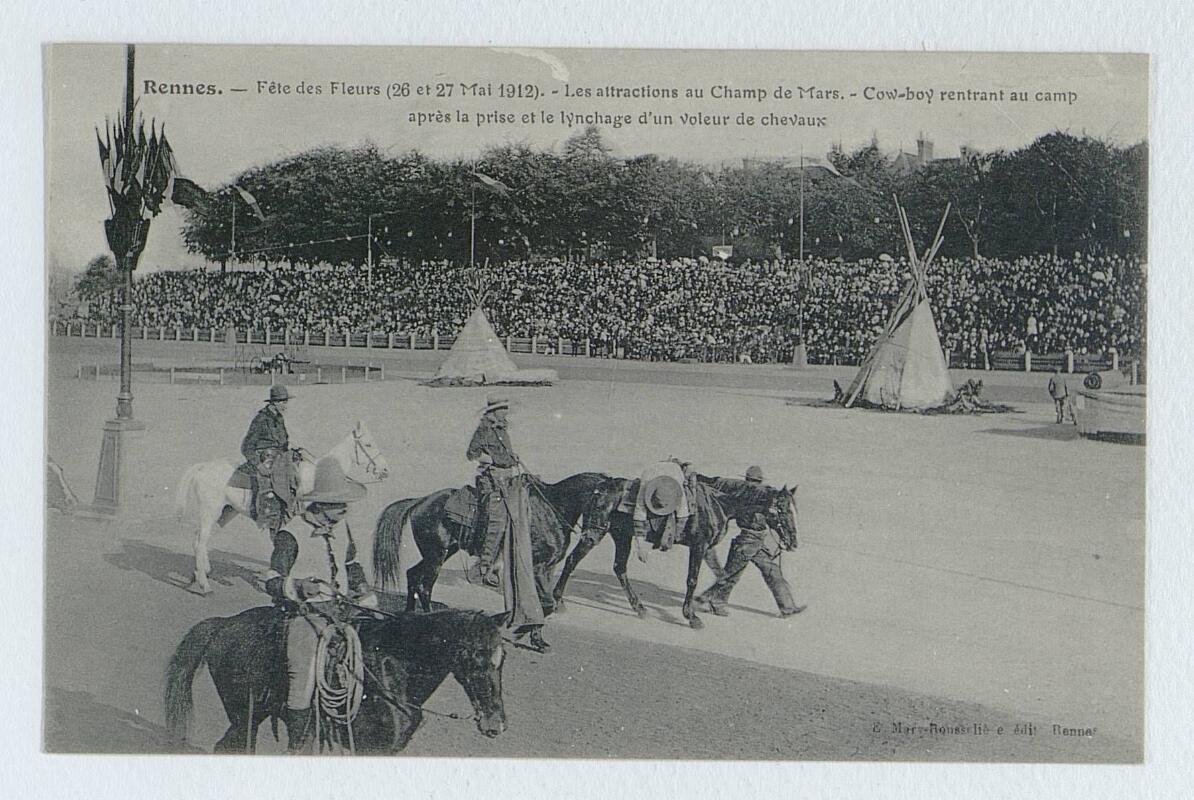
<point>119,434</point>
<point>800,356</point>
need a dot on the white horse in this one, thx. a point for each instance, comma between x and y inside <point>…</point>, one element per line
<point>205,496</point>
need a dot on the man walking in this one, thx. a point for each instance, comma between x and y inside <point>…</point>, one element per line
<point>756,544</point>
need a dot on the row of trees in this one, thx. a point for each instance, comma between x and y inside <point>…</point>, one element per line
<point>1062,193</point>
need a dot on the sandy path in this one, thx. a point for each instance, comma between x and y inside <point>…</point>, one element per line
<point>989,562</point>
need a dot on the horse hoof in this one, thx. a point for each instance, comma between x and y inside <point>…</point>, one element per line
<point>195,587</point>
<point>695,623</point>
<point>560,607</point>
<point>641,611</point>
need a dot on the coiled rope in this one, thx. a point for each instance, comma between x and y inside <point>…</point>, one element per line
<point>339,685</point>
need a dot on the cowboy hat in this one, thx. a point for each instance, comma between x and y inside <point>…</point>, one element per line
<point>278,393</point>
<point>332,485</point>
<point>494,402</point>
<point>661,495</point>
<point>754,474</point>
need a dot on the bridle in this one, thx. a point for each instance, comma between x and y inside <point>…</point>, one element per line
<point>361,452</point>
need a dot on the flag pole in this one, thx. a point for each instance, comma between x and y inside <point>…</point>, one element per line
<point>472,235</point>
<point>124,400</point>
<point>234,232</point>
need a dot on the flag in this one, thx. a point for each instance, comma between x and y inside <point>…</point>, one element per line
<point>251,201</point>
<point>186,193</point>
<point>492,183</point>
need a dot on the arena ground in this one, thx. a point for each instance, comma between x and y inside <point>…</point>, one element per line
<point>958,570</point>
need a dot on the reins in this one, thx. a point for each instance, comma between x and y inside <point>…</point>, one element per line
<point>380,686</point>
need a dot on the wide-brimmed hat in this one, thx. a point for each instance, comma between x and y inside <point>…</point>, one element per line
<point>495,402</point>
<point>278,393</point>
<point>332,485</point>
<point>661,495</point>
<point>754,474</point>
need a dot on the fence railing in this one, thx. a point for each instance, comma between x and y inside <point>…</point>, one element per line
<point>554,346</point>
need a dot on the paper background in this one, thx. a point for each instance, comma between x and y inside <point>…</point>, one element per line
<point>1162,29</point>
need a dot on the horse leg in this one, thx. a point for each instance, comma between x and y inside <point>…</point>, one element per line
<point>200,584</point>
<point>408,723</point>
<point>430,576</point>
<point>414,582</point>
<point>233,740</point>
<point>695,556</point>
<point>586,543</point>
<point>623,541</point>
<point>543,588</point>
<point>713,564</point>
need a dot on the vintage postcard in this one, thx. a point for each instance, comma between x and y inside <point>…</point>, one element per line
<point>563,403</point>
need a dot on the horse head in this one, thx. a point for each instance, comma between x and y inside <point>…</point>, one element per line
<point>602,501</point>
<point>365,457</point>
<point>781,515</point>
<point>477,666</point>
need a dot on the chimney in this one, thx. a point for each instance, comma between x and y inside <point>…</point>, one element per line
<point>924,150</point>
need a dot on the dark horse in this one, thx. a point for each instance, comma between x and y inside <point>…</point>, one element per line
<point>717,501</point>
<point>555,509</point>
<point>406,657</point>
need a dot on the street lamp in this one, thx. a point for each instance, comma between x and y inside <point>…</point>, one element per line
<point>137,170</point>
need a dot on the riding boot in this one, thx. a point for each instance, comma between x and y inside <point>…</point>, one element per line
<point>299,728</point>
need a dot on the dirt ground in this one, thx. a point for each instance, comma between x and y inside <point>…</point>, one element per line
<point>965,573</point>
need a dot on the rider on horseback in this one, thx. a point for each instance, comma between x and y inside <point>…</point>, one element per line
<point>269,462</point>
<point>490,447</point>
<point>312,602</point>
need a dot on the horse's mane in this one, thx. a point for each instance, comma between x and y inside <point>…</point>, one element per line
<point>738,491</point>
<point>448,629</point>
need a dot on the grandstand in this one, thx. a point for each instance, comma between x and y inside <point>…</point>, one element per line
<point>679,310</point>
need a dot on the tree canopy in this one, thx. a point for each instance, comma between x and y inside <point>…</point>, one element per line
<point>1061,193</point>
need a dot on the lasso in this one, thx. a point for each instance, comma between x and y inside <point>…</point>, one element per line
<point>339,690</point>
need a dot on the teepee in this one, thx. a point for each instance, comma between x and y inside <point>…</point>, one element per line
<point>906,368</point>
<point>477,357</point>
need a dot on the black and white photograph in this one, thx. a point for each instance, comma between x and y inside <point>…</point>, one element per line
<point>503,402</point>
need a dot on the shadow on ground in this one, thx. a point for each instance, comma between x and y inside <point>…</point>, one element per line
<point>75,722</point>
<point>1056,433</point>
<point>173,568</point>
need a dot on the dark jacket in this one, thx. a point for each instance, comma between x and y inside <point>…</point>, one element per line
<point>491,437</point>
<point>267,431</point>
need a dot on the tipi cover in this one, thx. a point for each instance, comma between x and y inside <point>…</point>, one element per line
<point>906,368</point>
<point>477,358</point>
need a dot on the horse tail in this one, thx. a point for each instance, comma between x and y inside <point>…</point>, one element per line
<point>189,656</point>
<point>184,496</point>
<point>387,540</point>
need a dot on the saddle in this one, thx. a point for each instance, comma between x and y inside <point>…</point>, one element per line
<point>461,507</point>
<point>242,476</point>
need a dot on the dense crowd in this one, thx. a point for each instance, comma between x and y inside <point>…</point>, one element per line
<point>671,310</point>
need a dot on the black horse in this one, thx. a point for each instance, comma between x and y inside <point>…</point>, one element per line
<point>716,501</point>
<point>555,508</point>
<point>406,657</point>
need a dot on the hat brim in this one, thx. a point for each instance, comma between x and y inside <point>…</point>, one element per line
<point>352,490</point>
<point>661,495</point>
